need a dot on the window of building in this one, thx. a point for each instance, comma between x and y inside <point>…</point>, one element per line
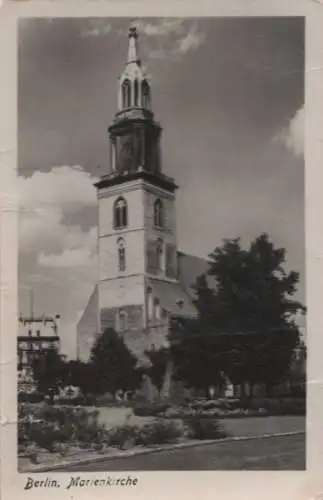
<point>136,92</point>
<point>29,333</point>
<point>170,257</point>
<point>157,308</point>
<point>158,213</point>
<point>126,94</point>
<point>121,254</point>
<point>38,333</point>
<point>145,94</point>
<point>122,320</point>
<point>159,254</point>
<point>120,213</point>
<point>149,303</point>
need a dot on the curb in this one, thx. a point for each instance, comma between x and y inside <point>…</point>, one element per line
<point>133,453</point>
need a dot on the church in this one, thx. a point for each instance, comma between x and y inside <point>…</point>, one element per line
<point>143,278</point>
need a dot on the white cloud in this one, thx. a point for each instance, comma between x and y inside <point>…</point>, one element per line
<point>161,27</point>
<point>191,41</point>
<point>169,38</point>
<point>292,136</point>
<point>96,28</point>
<point>80,250</point>
<point>64,186</point>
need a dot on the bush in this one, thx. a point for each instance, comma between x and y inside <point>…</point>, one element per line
<point>160,432</point>
<point>29,397</point>
<point>122,435</point>
<point>150,409</point>
<point>67,401</point>
<point>279,406</point>
<point>201,428</point>
<point>48,426</point>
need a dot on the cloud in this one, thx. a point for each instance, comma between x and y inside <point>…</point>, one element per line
<point>168,38</point>
<point>191,41</point>
<point>80,251</point>
<point>174,37</point>
<point>46,200</point>
<point>64,186</point>
<point>96,28</point>
<point>161,27</point>
<point>292,136</point>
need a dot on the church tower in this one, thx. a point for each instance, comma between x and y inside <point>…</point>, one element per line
<point>137,222</point>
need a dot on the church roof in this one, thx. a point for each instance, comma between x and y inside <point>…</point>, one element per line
<point>173,297</point>
<point>190,268</point>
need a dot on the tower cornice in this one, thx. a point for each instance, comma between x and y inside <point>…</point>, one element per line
<point>159,180</point>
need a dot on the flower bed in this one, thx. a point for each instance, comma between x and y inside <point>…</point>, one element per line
<point>47,433</point>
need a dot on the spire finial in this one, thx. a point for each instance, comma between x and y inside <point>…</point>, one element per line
<point>133,56</point>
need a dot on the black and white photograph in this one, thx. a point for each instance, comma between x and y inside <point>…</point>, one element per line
<point>162,305</point>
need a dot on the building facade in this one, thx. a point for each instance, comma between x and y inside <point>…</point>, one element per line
<point>143,279</point>
<point>36,335</point>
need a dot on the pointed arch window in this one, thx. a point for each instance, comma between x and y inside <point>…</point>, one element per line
<point>120,213</point>
<point>121,254</point>
<point>145,94</point>
<point>136,92</point>
<point>126,94</point>
<point>158,213</point>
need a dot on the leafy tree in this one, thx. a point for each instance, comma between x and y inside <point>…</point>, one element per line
<point>246,325</point>
<point>48,370</point>
<point>114,366</point>
<point>79,374</point>
<point>156,371</point>
<point>195,353</point>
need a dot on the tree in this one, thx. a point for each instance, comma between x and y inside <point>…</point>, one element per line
<point>79,374</point>
<point>246,325</point>
<point>114,366</point>
<point>158,359</point>
<point>48,370</point>
<point>195,353</point>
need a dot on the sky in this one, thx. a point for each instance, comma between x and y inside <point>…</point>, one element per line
<point>229,94</point>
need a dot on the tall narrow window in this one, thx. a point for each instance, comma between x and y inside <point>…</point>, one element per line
<point>158,213</point>
<point>121,254</point>
<point>136,92</point>
<point>157,308</point>
<point>149,303</point>
<point>120,213</point>
<point>122,320</point>
<point>145,94</point>
<point>126,94</point>
<point>159,254</point>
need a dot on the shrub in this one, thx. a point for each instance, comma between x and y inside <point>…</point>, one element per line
<point>279,406</point>
<point>48,426</point>
<point>150,409</point>
<point>29,397</point>
<point>79,400</point>
<point>121,435</point>
<point>201,428</point>
<point>160,432</point>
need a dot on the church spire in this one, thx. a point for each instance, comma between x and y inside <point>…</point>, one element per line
<point>133,53</point>
<point>134,88</point>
